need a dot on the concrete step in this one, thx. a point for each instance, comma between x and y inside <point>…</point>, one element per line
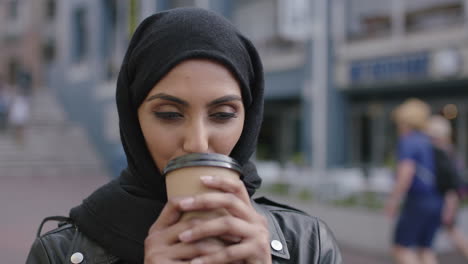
<point>54,170</point>
<point>46,109</point>
<point>48,144</point>
<point>52,145</point>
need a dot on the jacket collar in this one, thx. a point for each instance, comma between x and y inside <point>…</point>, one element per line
<point>278,245</point>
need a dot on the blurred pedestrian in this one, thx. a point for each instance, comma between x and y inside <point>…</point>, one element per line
<point>415,187</point>
<point>4,104</point>
<point>440,131</point>
<point>24,81</point>
<point>189,83</point>
<point>18,117</point>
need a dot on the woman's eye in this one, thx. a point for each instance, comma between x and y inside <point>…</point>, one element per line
<point>168,115</point>
<point>222,116</point>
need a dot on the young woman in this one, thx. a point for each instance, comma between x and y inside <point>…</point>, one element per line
<point>415,187</point>
<point>189,83</point>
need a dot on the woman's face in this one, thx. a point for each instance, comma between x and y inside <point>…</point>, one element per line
<point>196,107</point>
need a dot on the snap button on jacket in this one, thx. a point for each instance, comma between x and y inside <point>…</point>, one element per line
<point>295,238</point>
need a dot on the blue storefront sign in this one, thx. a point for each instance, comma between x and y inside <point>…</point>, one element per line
<point>412,66</point>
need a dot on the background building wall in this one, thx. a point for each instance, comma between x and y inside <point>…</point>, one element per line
<point>387,51</point>
<point>23,39</point>
<point>86,40</point>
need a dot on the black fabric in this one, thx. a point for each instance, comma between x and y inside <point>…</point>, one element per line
<point>305,240</point>
<point>119,214</point>
<point>445,170</point>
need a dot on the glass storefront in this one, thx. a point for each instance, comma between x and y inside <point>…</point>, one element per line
<point>374,136</point>
<point>280,137</point>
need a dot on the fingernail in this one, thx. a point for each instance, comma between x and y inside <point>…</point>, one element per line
<point>197,261</point>
<point>185,236</point>
<point>187,203</point>
<point>207,179</point>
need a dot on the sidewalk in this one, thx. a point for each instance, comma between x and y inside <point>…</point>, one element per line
<point>364,236</point>
<point>25,201</point>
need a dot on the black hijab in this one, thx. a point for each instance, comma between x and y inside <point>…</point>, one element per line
<point>119,214</point>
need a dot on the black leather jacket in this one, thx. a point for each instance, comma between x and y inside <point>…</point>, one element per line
<point>295,238</point>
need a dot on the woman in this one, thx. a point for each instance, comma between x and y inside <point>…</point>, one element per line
<point>415,187</point>
<point>440,131</point>
<point>189,83</point>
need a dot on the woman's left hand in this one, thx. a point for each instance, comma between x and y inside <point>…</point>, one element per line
<point>242,223</point>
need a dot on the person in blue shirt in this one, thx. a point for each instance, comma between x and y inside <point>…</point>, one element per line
<point>415,188</point>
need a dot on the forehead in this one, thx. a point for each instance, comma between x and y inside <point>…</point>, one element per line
<point>198,76</point>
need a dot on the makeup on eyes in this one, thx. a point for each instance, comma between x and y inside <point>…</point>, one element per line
<point>223,110</point>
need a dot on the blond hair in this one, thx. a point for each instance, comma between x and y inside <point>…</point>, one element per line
<point>413,113</point>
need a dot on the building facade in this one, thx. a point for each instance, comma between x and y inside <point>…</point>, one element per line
<point>85,42</point>
<point>303,116</point>
<point>26,39</point>
<point>387,51</point>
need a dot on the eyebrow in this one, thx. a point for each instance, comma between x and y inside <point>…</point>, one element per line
<point>223,99</point>
<point>168,98</point>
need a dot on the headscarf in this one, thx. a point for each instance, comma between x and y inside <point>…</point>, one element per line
<point>119,214</point>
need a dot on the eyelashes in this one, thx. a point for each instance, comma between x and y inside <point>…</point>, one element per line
<point>168,115</point>
<point>175,116</point>
<point>224,115</point>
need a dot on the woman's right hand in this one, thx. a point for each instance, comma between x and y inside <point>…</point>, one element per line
<point>162,244</point>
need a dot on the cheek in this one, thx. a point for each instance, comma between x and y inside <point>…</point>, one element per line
<point>160,143</point>
<point>227,137</point>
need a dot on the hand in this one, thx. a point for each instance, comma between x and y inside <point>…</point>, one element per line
<point>450,208</point>
<point>243,223</point>
<point>391,207</point>
<point>448,217</point>
<point>162,244</point>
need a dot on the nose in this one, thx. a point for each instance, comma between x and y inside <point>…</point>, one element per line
<point>196,138</point>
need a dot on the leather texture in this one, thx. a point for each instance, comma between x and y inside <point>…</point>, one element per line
<point>302,239</point>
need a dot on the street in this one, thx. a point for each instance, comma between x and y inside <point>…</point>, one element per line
<point>25,201</point>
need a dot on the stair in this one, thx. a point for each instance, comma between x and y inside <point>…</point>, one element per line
<point>52,146</point>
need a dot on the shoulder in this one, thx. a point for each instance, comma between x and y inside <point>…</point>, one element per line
<point>63,242</point>
<point>408,141</point>
<point>306,238</point>
<point>412,145</point>
<point>52,246</point>
<point>290,213</point>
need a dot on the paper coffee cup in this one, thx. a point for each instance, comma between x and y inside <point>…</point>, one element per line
<point>183,174</point>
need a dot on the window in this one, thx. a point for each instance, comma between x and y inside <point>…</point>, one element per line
<point>108,37</point>
<point>13,7</point>
<point>294,19</point>
<point>80,35</point>
<point>368,19</point>
<point>432,14</point>
<point>13,70</point>
<point>256,19</point>
<point>50,9</point>
<point>280,136</point>
<point>48,50</point>
<point>260,21</point>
